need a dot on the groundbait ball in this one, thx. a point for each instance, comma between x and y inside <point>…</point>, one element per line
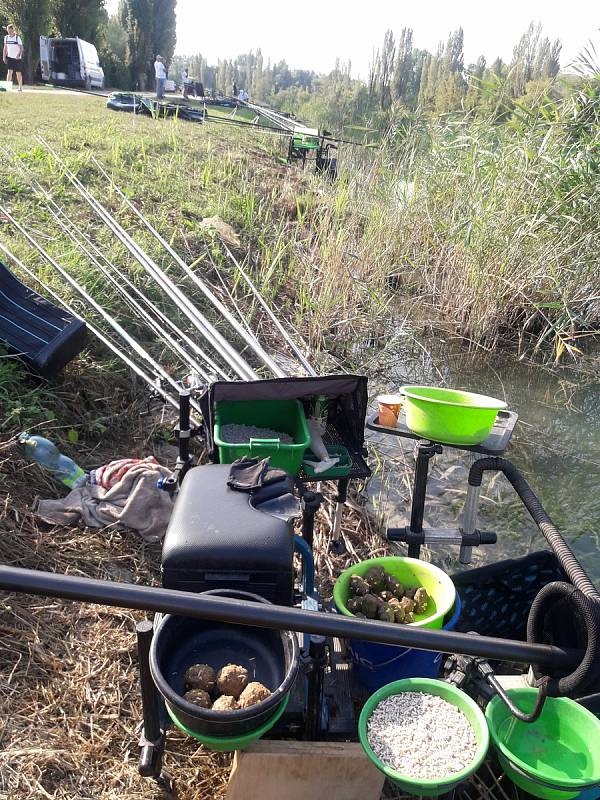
<point>200,676</point>
<point>393,585</point>
<point>198,697</point>
<point>410,592</point>
<point>232,680</point>
<point>375,577</point>
<point>225,703</point>
<point>370,604</point>
<point>358,585</point>
<point>386,613</point>
<point>421,601</point>
<point>408,618</point>
<point>254,693</point>
<point>354,604</point>
<point>386,596</point>
<point>408,605</point>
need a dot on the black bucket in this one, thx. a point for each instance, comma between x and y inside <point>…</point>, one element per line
<point>271,657</point>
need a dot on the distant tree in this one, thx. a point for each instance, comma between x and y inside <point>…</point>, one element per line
<point>403,80</point>
<point>136,17</point>
<point>113,54</point>
<point>386,71</point>
<point>82,18</point>
<point>163,27</point>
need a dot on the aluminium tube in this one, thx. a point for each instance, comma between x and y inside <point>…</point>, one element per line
<point>152,323</point>
<point>97,333</point>
<point>226,610</point>
<point>208,331</point>
<point>68,226</point>
<point>229,355</point>
<point>299,354</point>
<point>250,340</point>
<point>137,348</point>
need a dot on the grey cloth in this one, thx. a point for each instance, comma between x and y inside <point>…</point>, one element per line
<point>134,502</point>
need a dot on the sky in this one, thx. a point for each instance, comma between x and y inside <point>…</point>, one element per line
<point>350,30</point>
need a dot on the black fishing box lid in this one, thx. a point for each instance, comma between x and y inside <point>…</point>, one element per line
<point>217,540</point>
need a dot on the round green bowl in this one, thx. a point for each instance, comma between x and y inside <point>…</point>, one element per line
<point>448,692</point>
<point>449,416</point>
<point>557,757</point>
<point>224,744</point>
<point>410,572</point>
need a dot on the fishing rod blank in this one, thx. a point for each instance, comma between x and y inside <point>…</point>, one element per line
<point>230,355</point>
<point>247,337</point>
<point>90,300</point>
<point>96,332</point>
<point>271,315</point>
<point>57,212</point>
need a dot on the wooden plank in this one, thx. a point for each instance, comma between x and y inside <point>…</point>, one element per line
<point>273,770</point>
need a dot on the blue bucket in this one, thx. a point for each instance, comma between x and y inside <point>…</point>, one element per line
<point>375,665</point>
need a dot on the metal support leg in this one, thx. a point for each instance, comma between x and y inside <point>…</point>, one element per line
<point>152,739</point>
<point>314,700</point>
<point>337,545</point>
<point>311,502</point>
<point>425,451</point>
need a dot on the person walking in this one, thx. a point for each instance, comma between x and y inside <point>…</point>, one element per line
<point>12,55</point>
<point>160,73</point>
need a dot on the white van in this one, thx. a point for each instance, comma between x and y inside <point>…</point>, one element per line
<point>70,62</point>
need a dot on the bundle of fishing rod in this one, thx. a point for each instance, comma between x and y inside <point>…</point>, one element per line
<point>222,347</point>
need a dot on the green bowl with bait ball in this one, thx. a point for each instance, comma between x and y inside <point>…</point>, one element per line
<point>449,416</point>
<point>453,695</point>
<point>225,744</point>
<point>410,572</point>
<point>557,757</point>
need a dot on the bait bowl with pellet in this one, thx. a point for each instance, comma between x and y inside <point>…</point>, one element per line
<point>425,735</point>
<point>377,664</point>
<point>269,657</point>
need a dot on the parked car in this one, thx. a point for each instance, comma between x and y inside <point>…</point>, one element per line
<point>70,62</point>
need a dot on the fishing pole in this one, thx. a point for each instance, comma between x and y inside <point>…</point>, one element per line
<point>217,341</point>
<point>155,385</point>
<point>141,352</point>
<point>300,355</point>
<point>249,338</point>
<point>76,235</point>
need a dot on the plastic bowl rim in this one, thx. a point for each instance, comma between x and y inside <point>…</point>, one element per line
<point>491,402</point>
<point>406,559</point>
<point>207,714</point>
<point>420,685</point>
<point>563,783</point>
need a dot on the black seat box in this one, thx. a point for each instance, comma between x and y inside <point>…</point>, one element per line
<point>217,540</point>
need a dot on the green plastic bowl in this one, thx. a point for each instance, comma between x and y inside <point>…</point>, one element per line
<point>224,744</point>
<point>410,572</point>
<point>448,415</point>
<point>428,788</point>
<point>556,757</point>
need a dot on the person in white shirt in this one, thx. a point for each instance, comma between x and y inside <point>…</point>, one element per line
<point>185,79</point>
<point>160,73</point>
<point>12,55</point>
<point>243,95</point>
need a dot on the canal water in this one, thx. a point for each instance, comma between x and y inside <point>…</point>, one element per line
<point>556,445</point>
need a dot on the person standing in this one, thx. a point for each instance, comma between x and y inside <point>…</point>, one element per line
<point>12,55</point>
<point>185,79</point>
<point>160,73</point>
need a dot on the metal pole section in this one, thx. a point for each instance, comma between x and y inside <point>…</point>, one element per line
<point>106,341</point>
<point>469,521</point>
<point>247,337</point>
<point>425,451</point>
<point>172,601</point>
<point>300,355</point>
<point>89,299</point>
<point>221,345</point>
<point>69,227</point>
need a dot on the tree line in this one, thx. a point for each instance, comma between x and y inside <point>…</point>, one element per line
<point>127,42</point>
<point>400,76</point>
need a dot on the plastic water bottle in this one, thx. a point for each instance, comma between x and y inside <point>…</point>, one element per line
<point>47,455</point>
